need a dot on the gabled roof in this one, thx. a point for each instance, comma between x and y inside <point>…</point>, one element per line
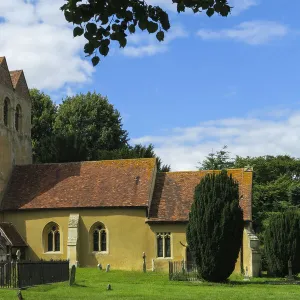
<point>110,183</point>
<point>19,83</point>
<point>14,80</point>
<point>15,76</point>
<point>174,194</point>
<point>5,78</point>
<point>12,235</point>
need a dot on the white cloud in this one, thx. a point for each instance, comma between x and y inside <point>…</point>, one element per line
<point>253,33</point>
<point>184,147</point>
<point>241,5</point>
<point>35,37</point>
<point>144,44</point>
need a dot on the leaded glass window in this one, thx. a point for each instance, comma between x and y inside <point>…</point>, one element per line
<point>163,244</point>
<point>53,239</point>
<point>100,239</point>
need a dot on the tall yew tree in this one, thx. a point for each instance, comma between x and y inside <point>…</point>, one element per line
<point>282,243</point>
<point>215,229</point>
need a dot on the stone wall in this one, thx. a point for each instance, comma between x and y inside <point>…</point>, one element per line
<point>15,146</point>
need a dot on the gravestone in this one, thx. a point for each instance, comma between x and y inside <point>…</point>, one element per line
<point>107,267</point>
<point>19,295</point>
<point>144,262</point>
<point>72,275</point>
<point>99,266</point>
<point>153,265</point>
<point>18,254</point>
<point>109,287</point>
<point>290,276</point>
<point>246,276</point>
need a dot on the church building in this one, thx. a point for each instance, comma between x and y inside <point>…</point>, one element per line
<point>108,212</point>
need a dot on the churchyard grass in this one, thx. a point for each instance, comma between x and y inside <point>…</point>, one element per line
<point>91,283</point>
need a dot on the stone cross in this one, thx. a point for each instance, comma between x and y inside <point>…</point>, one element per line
<point>290,276</point>
<point>99,266</point>
<point>107,267</point>
<point>72,275</point>
<point>144,262</point>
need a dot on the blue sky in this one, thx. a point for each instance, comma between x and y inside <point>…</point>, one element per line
<point>214,81</point>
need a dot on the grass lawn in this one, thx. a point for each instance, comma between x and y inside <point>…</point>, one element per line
<point>91,284</point>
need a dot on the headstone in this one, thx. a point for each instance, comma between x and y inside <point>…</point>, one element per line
<point>107,267</point>
<point>246,276</point>
<point>18,254</point>
<point>19,295</point>
<point>109,287</point>
<point>153,265</point>
<point>72,275</point>
<point>144,262</point>
<point>182,266</point>
<point>99,266</point>
<point>290,276</point>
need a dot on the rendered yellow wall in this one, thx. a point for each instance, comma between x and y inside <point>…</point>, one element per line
<point>128,237</point>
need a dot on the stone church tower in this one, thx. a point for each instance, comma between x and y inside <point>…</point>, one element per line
<point>15,122</point>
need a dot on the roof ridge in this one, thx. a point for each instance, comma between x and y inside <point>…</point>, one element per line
<point>199,171</point>
<point>89,161</point>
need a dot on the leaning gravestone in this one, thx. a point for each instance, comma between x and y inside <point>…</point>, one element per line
<point>72,275</point>
<point>108,268</point>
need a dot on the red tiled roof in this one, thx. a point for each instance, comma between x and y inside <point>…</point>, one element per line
<point>174,193</point>
<point>111,183</point>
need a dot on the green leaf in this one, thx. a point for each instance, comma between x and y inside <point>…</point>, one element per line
<point>95,60</point>
<point>123,42</point>
<point>128,15</point>
<point>91,28</point>
<point>105,42</point>
<point>88,48</point>
<point>143,24</point>
<point>210,11</point>
<point>104,49</point>
<point>78,31</point>
<point>115,27</point>
<point>160,36</point>
<point>180,7</point>
<point>164,20</point>
<point>68,16</point>
<point>152,27</point>
<point>131,28</point>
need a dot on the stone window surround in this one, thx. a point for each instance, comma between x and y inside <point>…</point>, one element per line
<point>163,235</point>
<point>91,238</point>
<point>45,233</point>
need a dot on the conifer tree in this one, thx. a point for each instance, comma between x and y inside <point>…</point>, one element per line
<point>282,243</point>
<point>215,229</point>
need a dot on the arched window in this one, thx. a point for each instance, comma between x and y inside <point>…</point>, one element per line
<point>18,118</point>
<point>52,238</point>
<point>99,236</point>
<point>6,111</point>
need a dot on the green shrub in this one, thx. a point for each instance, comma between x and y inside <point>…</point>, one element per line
<point>215,229</point>
<point>282,242</point>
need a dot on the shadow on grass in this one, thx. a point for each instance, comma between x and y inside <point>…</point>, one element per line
<point>79,285</point>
